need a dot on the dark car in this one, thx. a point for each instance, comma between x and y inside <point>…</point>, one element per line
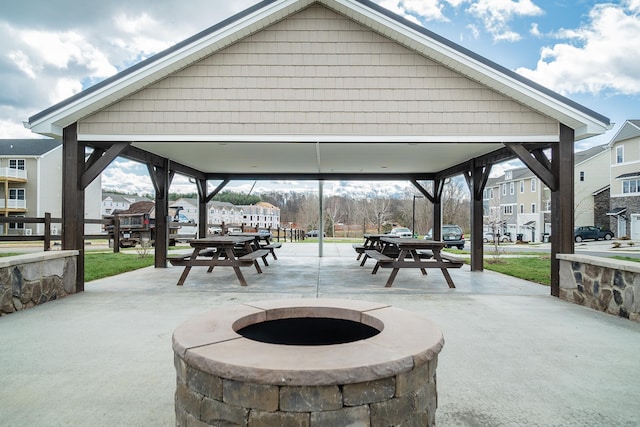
<point>589,232</point>
<point>314,233</point>
<point>452,235</point>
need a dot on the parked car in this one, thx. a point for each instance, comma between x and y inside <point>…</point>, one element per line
<point>314,233</point>
<point>489,237</point>
<point>452,235</point>
<point>590,232</point>
<point>401,232</point>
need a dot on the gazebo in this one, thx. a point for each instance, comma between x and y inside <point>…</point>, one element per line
<point>319,90</point>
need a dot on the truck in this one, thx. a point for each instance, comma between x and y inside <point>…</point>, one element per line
<point>137,225</point>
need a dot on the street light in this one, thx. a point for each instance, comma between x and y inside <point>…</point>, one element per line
<point>413,214</point>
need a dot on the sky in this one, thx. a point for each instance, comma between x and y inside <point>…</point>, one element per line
<point>586,50</point>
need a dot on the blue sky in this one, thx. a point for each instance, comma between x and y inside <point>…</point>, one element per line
<point>586,50</point>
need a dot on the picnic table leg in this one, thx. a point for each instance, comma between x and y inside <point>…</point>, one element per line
<point>366,257</point>
<point>445,272</point>
<point>416,257</point>
<point>184,275</point>
<point>215,256</point>
<point>187,268</point>
<point>392,277</point>
<point>248,248</point>
<point>231,255</point>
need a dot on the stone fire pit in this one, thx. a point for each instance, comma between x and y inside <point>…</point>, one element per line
<point>307,362</point>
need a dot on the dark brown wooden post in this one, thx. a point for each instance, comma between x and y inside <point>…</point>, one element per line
<point>477,181</point>
<point>438,186</point>
<point>162,212</point>
<point>47,231</point>
<point>116,234</point>
<point>561,203</point>
<point>73,198</point>
<point>203,221</point>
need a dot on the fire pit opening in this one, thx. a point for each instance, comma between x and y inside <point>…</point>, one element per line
<point>308,331</point>
<point>307,362</point>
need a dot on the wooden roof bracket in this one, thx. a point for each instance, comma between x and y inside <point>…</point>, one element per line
<point>536,161</point>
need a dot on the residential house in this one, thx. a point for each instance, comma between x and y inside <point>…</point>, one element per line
<point>514,205</point>
<point>31,177</point>
<point>624,212</point>
<point>591,186</point>
<point>517,203</point>
<point>260,215</point>
<point>113,201</point>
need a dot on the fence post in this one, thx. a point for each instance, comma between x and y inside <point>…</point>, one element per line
<point>47,231</point>
<point>116,234</point>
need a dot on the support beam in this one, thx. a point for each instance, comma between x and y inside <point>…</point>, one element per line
<point>540,169</point>
<point>203,222</point>
<point>217,190</point>
<point>73,198</point>
<point>438,186</point>
<point>562,163</point>
<point>161,178</point>
<point>476,180</point>
<point>96,164</point>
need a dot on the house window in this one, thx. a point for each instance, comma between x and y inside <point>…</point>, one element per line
<point>533,208</point>
<point>522,186</point>
<point>16,164</point>
<point>521,209</point>
<point>630,186</point>
<point>508,174</point>
<point>16,194</point>
<point>620,154</point>
<point>491,193</point>
<point>547,205</point>
<point>504,189</point>
<point>581,175</point>
<point>533,185</point>
<point>512,188</point>
<point>18,225</point>
<point>508,210</point>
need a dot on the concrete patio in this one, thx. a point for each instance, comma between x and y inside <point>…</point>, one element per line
<point>513,355</point>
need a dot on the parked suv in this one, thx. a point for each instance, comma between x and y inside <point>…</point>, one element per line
<point>591,232</point>
<point>452,235</point>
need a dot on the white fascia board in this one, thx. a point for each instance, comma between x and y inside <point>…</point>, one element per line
<point>583,124</point>
<point>410,139</point>
<point>131,82</point>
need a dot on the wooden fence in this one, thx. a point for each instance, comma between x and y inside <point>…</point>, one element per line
<point>114,223</point>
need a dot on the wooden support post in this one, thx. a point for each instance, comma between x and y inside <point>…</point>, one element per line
<point>161,179</point>
<point>438,186</point>
<point>562,163</point>
<point>476,180</point>
<point>47,231</point>
<point>203,221</point>
<point>73,198</point>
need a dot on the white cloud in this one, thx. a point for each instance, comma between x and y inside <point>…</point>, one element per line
<point>497,14</point>
<point>599,57</point>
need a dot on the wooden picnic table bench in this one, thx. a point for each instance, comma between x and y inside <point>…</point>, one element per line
<point>409,257</point>
<point>220,251</point>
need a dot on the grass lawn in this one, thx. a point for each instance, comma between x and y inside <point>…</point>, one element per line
<point>104,264</point>
<point>533,268</point>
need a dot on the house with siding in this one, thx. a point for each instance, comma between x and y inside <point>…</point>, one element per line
<point>113,201</point>
<point>31,185</point>
<point>260,215</point>
<point>591,183</point>
<point>624,155</point>
<point>520,203</point>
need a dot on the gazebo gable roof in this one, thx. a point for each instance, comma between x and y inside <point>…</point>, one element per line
<point>585,122</point>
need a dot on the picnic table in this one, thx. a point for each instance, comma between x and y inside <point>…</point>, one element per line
<point>413,253</point>
<point>261,241</point>
<point>220,251</point>
<point>372,241</point>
